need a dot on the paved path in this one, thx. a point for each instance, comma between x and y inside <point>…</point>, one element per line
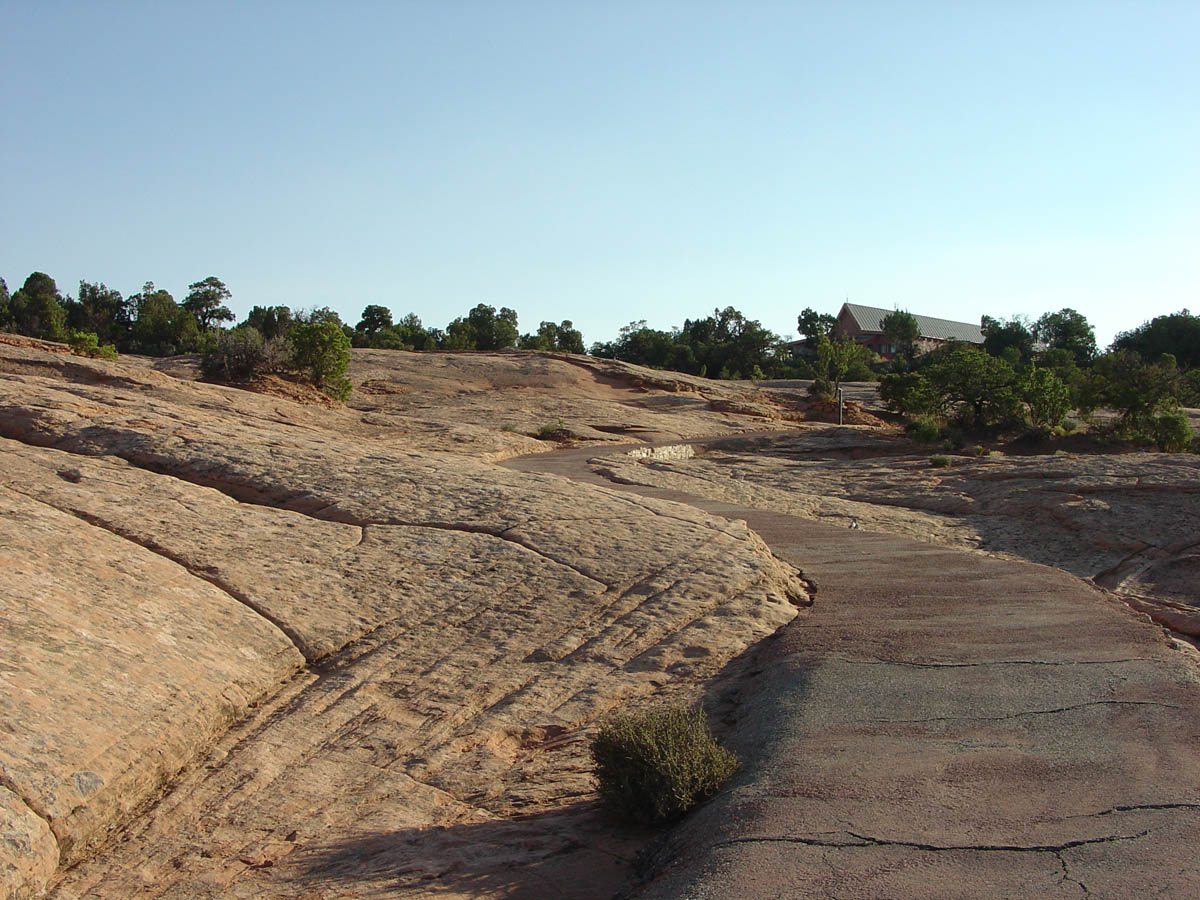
<point>944,724</point>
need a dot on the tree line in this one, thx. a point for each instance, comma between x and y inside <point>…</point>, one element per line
<point>1036,374</point>
<point>1026,372</point>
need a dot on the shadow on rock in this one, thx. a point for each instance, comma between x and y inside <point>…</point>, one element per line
<point>574,853</point>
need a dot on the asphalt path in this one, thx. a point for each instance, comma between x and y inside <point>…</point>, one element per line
<point>942,724</point>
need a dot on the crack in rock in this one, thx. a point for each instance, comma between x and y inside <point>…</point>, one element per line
<point>295,638</point>
<point>1031,712</point>
<point>863,840</point>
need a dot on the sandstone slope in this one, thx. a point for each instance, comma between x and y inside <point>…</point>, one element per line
<point>334,643</point>
<point>1128,522</point>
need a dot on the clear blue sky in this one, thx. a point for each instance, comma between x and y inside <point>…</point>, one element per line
<point>611,161</point>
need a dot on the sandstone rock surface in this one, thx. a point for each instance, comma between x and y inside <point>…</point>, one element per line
<point>259,646</point>
<point>325,642</point>
<point>943,724</point>
<point>1129,522</point>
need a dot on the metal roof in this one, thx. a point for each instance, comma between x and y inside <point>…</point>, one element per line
<point>870,319</point>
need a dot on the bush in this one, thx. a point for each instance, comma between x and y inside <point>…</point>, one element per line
<point>321,352</point>
<point>653,766</point>
<point>821,389</point>
<point>241,354</point>
<point>924,431</point>
<point>87,343</point>
<point>1172,433</point>
<point>1049,398</point>
<point>555,431</point>
<point>1189,389</point>
<point>940,461</point>
<point>909,393</point>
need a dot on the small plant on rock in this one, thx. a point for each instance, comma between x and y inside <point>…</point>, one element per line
<point>939,461</point>
<point>86,343</point>
<point>653,766</point>
<point>555,431</point>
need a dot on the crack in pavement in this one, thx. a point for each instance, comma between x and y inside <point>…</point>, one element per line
<point>1066,875</point>
<point>1030,712</point>
<point>976,665</point>
<point>863,840</point>
<point>1139,807</point>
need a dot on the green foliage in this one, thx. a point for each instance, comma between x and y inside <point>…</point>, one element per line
<point>910,394</point>
<point>1048,398</point>
<point>374,318</point>
<point>206,301</point>
<point>1189,389</point>
<point>321,353</point>
<point>242,354</point>
<point>1069,331</point>
<point>958,378</point>
<point>652,767</point>
<point>725,343</point>
<point>1177,334</point>
<point>982,387</point>
<point>318,315</point>
<point>270,321</point>
<point>483,329</point>
<point>100,310</point>
<point>564,338</point>
<point>162,327</point>
<point>813,325</point>
<point>924,430</point>
<point>1172,433</point>
<point>940,461</point>
<point>821,389</point>
<point>86,343</point>
<point>999,335</point>
<point>841,360</point>
<point>638,343</point>
<point>901,329</point>
<point>1139,392</point>
<point>555,431</point>
<point>36,309</point>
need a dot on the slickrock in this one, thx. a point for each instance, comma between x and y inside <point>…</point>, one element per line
<point>351,661</point>
<point>492,405</point>
<point>1130,522</point>
<point>944,724</point>
<point>119,667</point>
<point>30,852</point>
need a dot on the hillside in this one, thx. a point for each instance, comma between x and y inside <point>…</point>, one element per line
<point>304,622</point>
<point>261,644</point>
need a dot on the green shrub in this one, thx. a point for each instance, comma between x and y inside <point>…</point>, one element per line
<point>555,431</point>
<point>1049,398</point>
<point>87,343</point>
<point>939,461</point>
<point>241,354</point>
<point>321,352</point>
<point>821,389</point>
<point>924,431</point>
<point>1172,433</point>
<point>653,766</point>
<point>1189,389</point>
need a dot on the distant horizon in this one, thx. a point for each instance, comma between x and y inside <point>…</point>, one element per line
<point>351,318</point>
<point>613,162</point>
